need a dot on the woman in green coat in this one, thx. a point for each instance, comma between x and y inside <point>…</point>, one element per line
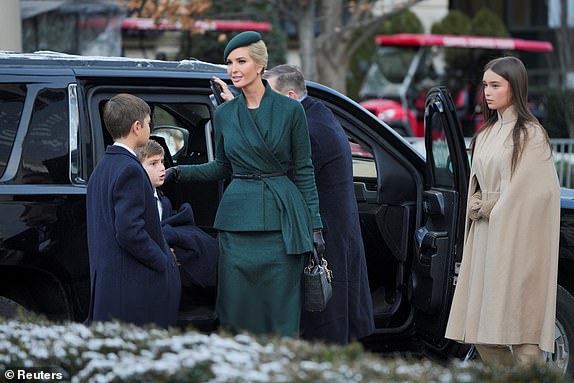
<point>267,220</point>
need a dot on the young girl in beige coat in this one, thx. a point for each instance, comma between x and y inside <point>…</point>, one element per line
<point>506,290</point>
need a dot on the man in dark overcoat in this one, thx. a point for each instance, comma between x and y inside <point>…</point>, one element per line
<point>134,275</point>
<point>349,313</point>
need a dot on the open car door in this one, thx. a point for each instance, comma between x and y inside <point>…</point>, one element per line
<point>439,239</point>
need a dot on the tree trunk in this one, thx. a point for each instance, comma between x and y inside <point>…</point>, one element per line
<point>306,34</point>
<point>331,50</point>
<point>333,75</point>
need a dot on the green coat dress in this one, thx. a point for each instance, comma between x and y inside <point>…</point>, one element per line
<point>265,224</point>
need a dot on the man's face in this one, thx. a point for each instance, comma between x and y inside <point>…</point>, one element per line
<point>155,169</point>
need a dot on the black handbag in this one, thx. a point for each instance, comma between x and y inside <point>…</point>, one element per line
<point>317,283</point>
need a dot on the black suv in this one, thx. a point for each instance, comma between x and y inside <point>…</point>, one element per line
<point>411,209</point>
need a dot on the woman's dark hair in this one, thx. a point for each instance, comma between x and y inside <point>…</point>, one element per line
<point>512,70</point>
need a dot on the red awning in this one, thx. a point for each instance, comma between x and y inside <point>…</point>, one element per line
<point>418,40</point>
<point>145,24</point>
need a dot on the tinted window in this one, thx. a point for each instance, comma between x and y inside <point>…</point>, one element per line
<point>45,151</point>
<point>364,167</point>
<point>12,98</point>
<point>170,119</point>
<point>440,156</point>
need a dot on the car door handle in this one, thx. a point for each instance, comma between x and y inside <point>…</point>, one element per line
<point>427,239</point>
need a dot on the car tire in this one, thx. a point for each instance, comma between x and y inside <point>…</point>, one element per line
<point>563,357</point>
<point>10,309</point>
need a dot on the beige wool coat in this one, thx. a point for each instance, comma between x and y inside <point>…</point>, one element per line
<point>506,288</point>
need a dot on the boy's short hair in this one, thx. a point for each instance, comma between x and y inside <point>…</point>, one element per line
<point>121,111</point>
<point>150,149</point>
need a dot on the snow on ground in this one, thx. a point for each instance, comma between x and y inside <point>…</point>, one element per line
<point>106,352</point>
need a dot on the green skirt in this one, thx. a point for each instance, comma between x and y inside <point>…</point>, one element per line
<point>259,285</point>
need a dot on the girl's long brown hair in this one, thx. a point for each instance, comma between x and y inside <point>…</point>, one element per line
<point>512,70</point>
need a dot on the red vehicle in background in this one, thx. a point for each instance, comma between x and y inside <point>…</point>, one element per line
<point>407,65</point>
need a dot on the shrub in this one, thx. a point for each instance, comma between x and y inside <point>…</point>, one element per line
<point>488,23</point>
<point>114,352</point>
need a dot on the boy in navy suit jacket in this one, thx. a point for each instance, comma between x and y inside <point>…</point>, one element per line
<point>134,275</point>
<point>196,251</point>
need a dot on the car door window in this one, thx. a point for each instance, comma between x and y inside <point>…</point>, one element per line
<point>45,151</point>
<point>171,129</point>
<point>12,98</point>
<point>440,159</point>
<point>182,125</point>
<point>364,168</point>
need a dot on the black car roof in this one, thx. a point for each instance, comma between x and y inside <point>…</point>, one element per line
<point>63,60</point>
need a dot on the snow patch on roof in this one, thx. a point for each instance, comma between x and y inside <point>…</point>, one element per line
<point>53,57</point>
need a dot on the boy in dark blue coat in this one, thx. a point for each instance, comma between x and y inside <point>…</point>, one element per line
<point>197,252</point>
<point>134,275</point>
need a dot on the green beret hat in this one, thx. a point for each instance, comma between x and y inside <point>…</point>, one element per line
<point>241,40</point>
